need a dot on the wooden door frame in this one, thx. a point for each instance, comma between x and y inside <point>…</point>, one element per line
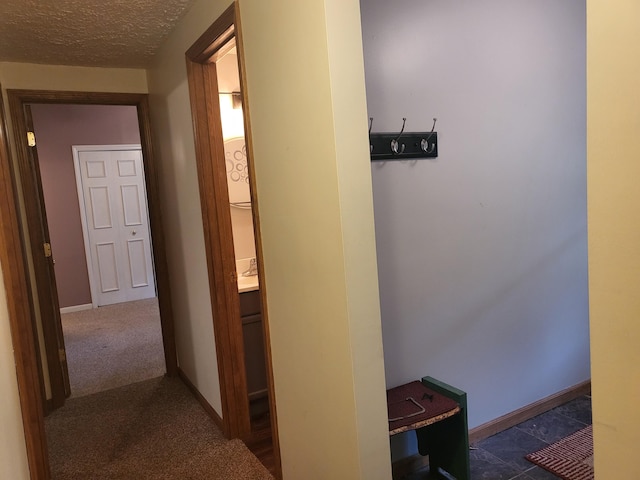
<point>45,292</point>
<point>13,256</point>
<point>216,218</point>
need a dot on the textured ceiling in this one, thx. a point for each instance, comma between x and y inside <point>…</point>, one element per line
<point>106,33</point>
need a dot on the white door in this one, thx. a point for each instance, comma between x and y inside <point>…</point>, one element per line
<point>113,204</point>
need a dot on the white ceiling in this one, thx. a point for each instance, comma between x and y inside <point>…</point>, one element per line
<point>105,33</point>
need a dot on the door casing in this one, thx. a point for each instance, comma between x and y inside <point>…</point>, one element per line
<point>44,293</point>
<point>13,256</point>
<point>214,199</point>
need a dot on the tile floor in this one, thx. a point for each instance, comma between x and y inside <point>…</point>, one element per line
<point>501,457</point>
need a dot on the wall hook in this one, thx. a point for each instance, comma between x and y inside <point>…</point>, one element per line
<point>403,145</point>
<point>424,143</point>
<point>395,146</point>
<point>370,125</point>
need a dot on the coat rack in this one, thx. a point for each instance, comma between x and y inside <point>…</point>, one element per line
<point>403,145</point>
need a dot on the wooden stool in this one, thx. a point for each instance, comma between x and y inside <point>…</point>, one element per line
<point>437,412</point>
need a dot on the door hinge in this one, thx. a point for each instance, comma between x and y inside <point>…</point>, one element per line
<point>31,139</point>
<point>47,249</point>
<point>62,354</point>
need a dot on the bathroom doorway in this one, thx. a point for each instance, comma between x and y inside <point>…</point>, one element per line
<point>232,235</point>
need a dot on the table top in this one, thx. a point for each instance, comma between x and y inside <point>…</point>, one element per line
<point>413,406</point>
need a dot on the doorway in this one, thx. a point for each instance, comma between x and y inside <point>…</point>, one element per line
<point>27,303</point>
<point>96,208</point>
<point>224,161</point>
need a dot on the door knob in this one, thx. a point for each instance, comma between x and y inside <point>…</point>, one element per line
<point>133,232</point>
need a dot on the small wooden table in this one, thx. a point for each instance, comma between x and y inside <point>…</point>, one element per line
<point>437,412</point>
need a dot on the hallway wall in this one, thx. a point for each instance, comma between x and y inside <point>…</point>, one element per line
<point>482,252</point>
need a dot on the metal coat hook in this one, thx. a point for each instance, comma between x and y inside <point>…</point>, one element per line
<point>424,143</point>
<point>403,145</point>
<point>394,142</point>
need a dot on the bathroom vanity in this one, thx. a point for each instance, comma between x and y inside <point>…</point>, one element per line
<point>252,333</point>
<point>253,344</point>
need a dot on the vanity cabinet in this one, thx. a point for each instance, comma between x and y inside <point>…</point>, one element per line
<point>252,334</point>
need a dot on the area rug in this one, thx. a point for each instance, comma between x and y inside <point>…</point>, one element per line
<point>570,458</point>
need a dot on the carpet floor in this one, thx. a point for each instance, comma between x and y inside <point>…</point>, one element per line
<point>112,346</point>
<point>153,429</point>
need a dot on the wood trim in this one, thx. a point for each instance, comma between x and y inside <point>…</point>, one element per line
<point>219,33</point>
<point>216,220</point>
<point>159,245</point>
<point>19,308</point>
<point>36,220</point>
<point>217,419</point>
<point>23,331</point>
<point>410,464</point>
<point>258,241</point>
<point>529,411</point>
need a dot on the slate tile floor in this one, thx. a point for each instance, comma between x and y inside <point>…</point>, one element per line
<point>501,457</point>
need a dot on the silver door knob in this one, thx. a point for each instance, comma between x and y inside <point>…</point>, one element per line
<point>133,232</point>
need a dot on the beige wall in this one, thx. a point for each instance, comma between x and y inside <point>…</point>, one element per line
<point>56,77</point>
<point>613,76</point>
<point>174,146</point>
<point>306,97</point>
<point>309,121</point>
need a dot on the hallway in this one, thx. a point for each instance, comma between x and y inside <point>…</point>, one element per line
<point>147,430</point>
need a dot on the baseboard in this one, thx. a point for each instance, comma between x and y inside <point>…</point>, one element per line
<point>76,308</point>
<point>529,411</point>
<point>408,465</point>
<point>217,419</point>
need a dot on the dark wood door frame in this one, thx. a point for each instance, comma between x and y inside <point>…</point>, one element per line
<point>216,217</point>
<point>44,275</point>
<point>21,311</point>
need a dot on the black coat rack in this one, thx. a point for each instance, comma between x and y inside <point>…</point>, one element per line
<point>403,145</point>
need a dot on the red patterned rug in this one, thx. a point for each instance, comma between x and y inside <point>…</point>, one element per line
<point>570,458</point>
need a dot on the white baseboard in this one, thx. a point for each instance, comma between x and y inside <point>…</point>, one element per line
<point>76,308</point>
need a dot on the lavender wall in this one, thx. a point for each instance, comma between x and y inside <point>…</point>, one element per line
<point>57,128</point>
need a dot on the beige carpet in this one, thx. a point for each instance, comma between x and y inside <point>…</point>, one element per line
<point>149,430</point>
<point>111,346</point>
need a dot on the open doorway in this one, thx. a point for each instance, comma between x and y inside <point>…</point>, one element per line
<point>92,176</point>
<point>25,279</point>
<point>231,226</point>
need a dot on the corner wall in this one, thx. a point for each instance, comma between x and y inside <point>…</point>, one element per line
<point>482,252</point>
<point>305,83</point>
<point>613,76</point>
<point>307,107</point>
